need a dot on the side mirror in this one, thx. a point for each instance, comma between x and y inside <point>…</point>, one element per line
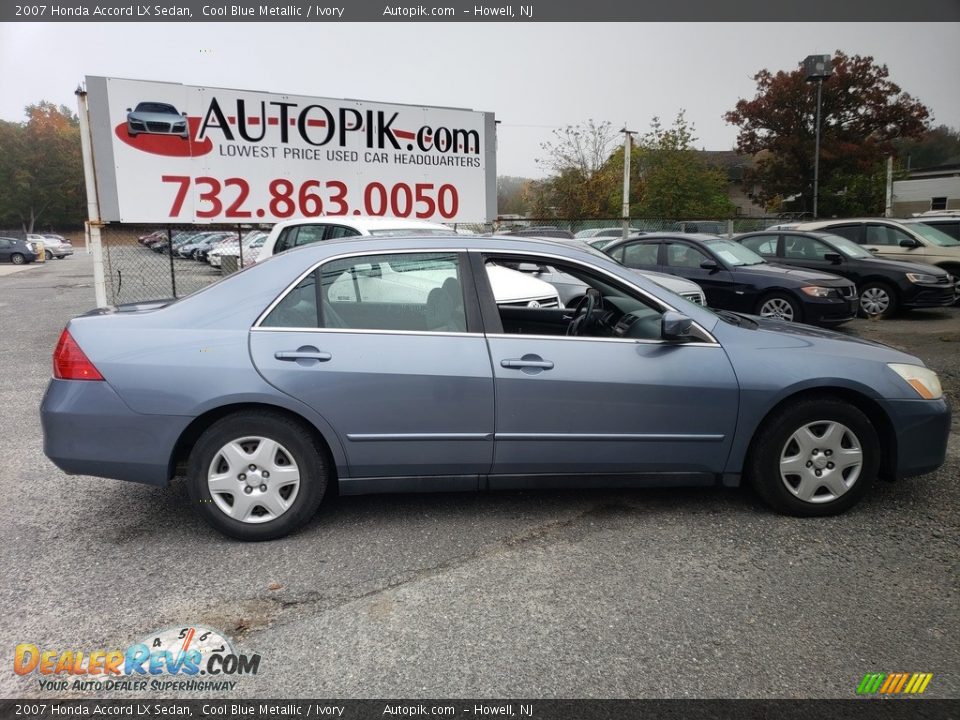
<point>129,110</point>
<point>909,243</point>
<point>675,326</point>
<point>835,258</point>
<point>184,114</point>
<point>710,265</point>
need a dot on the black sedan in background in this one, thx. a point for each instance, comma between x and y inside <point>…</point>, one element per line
<point>734,277</point>
<point>884,285</point>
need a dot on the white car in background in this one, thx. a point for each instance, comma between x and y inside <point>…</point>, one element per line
<point>509,286</point>
<point>252,242</point>
<point>294,233</point>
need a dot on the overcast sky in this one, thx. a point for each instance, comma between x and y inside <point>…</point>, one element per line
<point>535,77</point>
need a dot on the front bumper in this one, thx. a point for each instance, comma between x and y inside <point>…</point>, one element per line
<point>921,428</point>
<point>89,430</point>
<point>830,311</point>
<point>924,296</point>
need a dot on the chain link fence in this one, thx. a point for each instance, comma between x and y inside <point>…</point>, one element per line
<point>150,262</point>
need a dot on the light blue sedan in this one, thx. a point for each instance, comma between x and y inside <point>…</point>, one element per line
<point>386,365</point>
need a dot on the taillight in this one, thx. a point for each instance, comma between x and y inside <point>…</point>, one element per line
<point>69,362</point>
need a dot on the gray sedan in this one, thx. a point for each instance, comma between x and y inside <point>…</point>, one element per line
<point>387,366</point>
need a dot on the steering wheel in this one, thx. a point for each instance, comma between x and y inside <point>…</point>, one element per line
<point>582,314</point>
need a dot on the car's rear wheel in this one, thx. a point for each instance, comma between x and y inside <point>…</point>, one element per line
<point>816,457</point>
<point>257,475</point>
<point>17,259</point>
<point>877,300</point>
<point>779,306</point>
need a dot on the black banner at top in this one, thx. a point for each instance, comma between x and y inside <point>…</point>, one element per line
<point>327,11</point>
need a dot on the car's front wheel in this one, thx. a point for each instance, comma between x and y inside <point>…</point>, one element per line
<point>816,457</point>
<point>877,300</point>
<point>779,306</point>
<point>17,259</point>
<point>257,475</point>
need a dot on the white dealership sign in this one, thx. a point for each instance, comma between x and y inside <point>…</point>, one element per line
<point>170,153</point>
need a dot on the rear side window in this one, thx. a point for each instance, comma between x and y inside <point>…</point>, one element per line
<point>765,245</point>
<point>641,255</point>
<point>851,232</point>
<point>298,235</point>
<point>298,309</point>
<point>418,292</point>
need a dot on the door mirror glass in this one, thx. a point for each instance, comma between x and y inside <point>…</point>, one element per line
<point>675,326</point>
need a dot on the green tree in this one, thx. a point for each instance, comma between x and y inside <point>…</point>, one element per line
<point>579,184</point>
<point>42,167</point>
<point>937,146</point>
<point>862,114</point>
<point>673,180</point>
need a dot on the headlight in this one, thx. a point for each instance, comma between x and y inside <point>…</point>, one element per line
<point>820,292</point>
<point>923,380</point>
<point>921,278</point>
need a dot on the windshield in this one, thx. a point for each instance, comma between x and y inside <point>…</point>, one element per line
<point>848,247</point>
<point>931,234</point>
<point>734,253</point>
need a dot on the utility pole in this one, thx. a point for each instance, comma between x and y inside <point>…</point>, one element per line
<point>625,211</point>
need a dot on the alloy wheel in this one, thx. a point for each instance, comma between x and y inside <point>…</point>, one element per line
<point>777,308</point>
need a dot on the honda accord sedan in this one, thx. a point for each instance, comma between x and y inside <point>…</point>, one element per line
<point>386,365</point>
<point>736,278</point>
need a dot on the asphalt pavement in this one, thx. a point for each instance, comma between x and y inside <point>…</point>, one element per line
<point>589,594</point>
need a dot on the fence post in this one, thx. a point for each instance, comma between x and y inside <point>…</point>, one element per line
<point>239,245</point>
<point>173,273</point>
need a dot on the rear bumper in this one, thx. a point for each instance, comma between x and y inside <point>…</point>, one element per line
<point>922,428</point>
<point>89,430</point>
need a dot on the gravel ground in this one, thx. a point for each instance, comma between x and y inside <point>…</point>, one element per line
<point>599,594</point>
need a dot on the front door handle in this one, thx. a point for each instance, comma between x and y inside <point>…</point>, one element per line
<point>305,353</point>
<point>530,364</point>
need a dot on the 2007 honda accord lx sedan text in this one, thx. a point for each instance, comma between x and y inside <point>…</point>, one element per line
<point>386,366</point>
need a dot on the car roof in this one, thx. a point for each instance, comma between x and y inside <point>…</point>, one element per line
<point>365,222</point>
<point>675,235</point>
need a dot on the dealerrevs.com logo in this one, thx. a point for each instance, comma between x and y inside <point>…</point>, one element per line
<point>176,659</point>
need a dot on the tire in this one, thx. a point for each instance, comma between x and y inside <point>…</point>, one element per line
<point>269,506</point>
<point>878,300</point>
<point>17,259</point>
<point>777,465</point>
<point>779,306</point>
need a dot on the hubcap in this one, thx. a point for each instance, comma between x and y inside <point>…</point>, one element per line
<point>253,479</point>
<point>875,301</point>
<point>777,308</point>
<point>821,461</point>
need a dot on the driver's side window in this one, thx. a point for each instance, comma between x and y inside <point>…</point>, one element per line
<point>566,299</point>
